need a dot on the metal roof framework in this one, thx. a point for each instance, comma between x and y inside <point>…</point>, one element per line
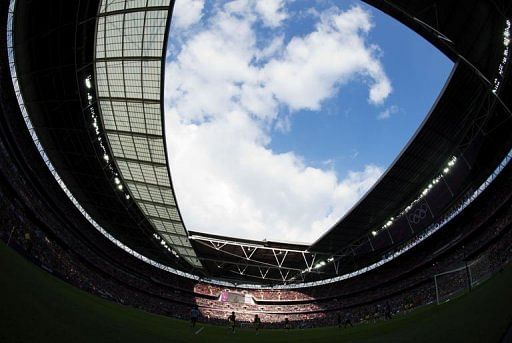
<point>129,54</point>
<point>453,123</point>
<point>464,36</point>
<point>271,262</point>
<point>468,110</point>
<point>471,34</point>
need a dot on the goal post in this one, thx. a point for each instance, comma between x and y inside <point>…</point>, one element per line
<point>457,281</point>
<point>480,269</point>
<point>451,283</point>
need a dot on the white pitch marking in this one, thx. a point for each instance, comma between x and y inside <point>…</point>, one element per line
<point>199,331</point>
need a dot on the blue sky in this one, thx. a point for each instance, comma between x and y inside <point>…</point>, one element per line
<point>281,114</point>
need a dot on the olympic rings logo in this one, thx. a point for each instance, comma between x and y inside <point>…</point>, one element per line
<point>418,214</point>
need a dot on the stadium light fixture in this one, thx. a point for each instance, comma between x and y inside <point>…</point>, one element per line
<point>319,264</point>
<point>505,58</point>
<point>424,192</point>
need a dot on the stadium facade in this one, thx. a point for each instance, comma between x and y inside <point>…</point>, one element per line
<point>84,156</point>
<point>105,145</point>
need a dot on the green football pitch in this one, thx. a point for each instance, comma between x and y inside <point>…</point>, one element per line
<point>37,307</point>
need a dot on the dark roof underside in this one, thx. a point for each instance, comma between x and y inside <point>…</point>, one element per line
<point>54,46</point>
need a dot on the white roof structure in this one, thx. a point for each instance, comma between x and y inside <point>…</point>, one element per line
<point>129,54</point>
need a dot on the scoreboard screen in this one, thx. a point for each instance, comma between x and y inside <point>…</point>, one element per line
<point>232,297</point>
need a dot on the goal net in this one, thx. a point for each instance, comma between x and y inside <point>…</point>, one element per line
<point>480,269</point>
<point>451,283</point>
<point>454,282</point>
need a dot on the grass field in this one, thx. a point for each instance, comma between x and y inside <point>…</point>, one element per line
<point>37,307</point>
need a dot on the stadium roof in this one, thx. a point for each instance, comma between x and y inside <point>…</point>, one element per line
<point>130,50</point>
<point>471,34</point>
<point>119,46</point>
<point>54,52</point>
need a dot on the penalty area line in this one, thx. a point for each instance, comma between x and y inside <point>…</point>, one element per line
<point>199,331</point>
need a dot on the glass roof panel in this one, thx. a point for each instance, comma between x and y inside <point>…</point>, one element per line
<point>129,54</point>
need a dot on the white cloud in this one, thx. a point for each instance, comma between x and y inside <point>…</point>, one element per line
<point>313,67</point>
<point>275,47</point>
<point>272,12</point>
<point>187,13</point>
<point>353,187</point>
<point>388,112</point>
<point>224,95</point>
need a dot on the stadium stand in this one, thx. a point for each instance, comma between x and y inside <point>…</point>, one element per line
<point>403,285</point>
<point>40,222</point>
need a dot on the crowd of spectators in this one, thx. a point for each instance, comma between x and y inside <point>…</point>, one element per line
<point>484,234</point>
<point>148,291</point>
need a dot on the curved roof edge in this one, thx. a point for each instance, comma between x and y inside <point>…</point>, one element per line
<point>129,54</point>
